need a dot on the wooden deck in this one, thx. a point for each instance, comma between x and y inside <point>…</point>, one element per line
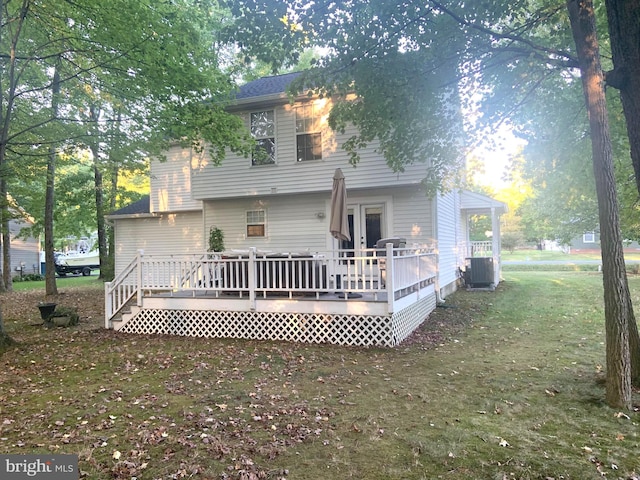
<point>280,298</point>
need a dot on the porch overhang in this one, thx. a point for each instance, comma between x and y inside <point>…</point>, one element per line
<point>477,204</point>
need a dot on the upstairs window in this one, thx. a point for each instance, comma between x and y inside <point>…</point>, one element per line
<point>589,237</point>
<point>256,223</point>
<point>308,133</point>
<point>263,129</point>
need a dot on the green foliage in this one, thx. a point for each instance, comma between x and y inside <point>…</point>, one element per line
<point>30,277</point>
<point>133,78</point>
<point>421,72</point>
<point>479,226</point>
<point>511,240</point>
<point>61,311</point>
<point>216,239</point>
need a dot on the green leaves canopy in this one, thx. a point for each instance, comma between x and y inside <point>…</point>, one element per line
<point>428,76</point>
<point>134,77</point>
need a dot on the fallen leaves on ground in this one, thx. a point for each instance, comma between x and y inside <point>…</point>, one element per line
<point>173,407</point>
<point>22,306</point>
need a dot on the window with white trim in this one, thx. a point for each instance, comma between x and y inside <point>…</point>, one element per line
<point>308,133</point>
<point>263,129</point>
<point>256,223</point>
<point>589,237</point>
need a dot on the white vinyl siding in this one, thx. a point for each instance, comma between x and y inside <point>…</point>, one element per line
<point>412,212</point>
<point>448,217</point>
<point>236,178</point>
<point>171,182</point>
<point>293,224</point>
<point>166,234</point>
<point>25,253</point>
<point>301,223</point>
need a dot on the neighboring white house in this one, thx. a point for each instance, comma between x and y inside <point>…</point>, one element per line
<point>25,252</point>
<point>274,211</point>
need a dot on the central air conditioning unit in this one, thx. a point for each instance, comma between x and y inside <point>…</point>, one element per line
<point>479,272</point>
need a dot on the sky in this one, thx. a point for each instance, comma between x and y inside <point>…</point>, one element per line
<point>495,156</point>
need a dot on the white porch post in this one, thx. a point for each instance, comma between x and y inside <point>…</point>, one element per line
<point>139,278</point>
<point>390,274</point>
<point>495,245</point>
<point>252,271</point>
<point>108,305</point>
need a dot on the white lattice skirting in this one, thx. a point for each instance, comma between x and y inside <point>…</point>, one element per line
<point>362,330</point>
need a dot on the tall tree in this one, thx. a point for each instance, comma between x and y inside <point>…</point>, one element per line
<point>152,69</point>
<point>617,300</point>
<point>624,34</point>
<point>49,202</point>
<point>503,54</point>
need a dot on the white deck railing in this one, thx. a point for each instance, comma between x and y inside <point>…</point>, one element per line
<point>479,249</point>
<point>253,274</point>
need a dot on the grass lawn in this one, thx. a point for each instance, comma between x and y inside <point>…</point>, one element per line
<point>549,255</point>
<point>500,385</point>
<point>61,282</point>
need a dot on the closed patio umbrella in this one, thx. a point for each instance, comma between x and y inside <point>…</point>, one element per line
<point>339,225</point>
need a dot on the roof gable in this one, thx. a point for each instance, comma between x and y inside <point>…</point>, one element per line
<point>473,201</point>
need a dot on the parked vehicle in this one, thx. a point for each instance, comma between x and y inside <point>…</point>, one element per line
<point>81,260</point>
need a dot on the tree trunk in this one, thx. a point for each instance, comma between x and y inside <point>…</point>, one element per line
<point>6,237</point>
<point>2,287</point>
<point>623,17</point>
<point>624,33</point>
<point>112,179</point>
<point>102,235</point>
<point>5,340</point>
<point>617,300</point>
<point>49,201</point>
<point>99,191</point>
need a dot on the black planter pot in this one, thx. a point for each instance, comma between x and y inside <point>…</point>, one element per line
<point>46,310</point>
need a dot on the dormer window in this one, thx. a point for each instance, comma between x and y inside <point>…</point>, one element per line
<point>263,129</point>
<point>308,133</point>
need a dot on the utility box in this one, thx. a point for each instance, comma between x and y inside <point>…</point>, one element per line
<point>479,272</point>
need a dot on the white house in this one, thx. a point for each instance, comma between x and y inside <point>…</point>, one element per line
<point>25,251</point>
<point>282,274</point>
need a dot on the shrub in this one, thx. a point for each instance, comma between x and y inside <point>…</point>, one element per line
<point>30,277</point>
<point>511,241</point>
<point>216,240</point>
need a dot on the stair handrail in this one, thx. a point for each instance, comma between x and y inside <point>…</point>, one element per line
<point>121,289</point>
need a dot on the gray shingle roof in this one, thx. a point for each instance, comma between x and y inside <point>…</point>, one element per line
<point>135,208</point>
<point>266,86</point>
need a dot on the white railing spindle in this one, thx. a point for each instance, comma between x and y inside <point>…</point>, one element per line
<point>396,272</point>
